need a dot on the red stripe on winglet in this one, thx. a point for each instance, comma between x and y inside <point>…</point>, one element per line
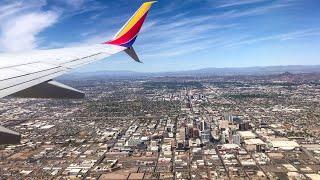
<point>130,34</point>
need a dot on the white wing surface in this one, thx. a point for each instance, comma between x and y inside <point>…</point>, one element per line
<point>31,74</point>
<point>25,70</point>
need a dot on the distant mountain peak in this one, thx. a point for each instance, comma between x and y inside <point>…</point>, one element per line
<point>285,71</point>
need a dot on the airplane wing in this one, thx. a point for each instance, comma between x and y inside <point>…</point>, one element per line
<point>31,74</point>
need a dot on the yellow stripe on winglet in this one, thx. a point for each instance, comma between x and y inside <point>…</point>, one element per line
<point>136,17</point>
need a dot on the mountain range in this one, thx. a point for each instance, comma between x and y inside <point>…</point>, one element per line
<point>260,70</point>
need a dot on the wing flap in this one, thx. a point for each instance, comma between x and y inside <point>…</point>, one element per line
<point>8,136</point>
<point>18,87</point>
<point>50,89</point>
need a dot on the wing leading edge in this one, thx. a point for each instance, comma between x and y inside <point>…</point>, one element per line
<point>26,74</point>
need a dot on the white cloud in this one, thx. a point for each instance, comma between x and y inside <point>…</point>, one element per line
<point>21,22</point>
<point>19,33</point>
<point>233,3</point>
<point>75,3</point>
<point>180,34</point>
<point>70,8</point>
<point>9,9</point>
<point>294,35</point>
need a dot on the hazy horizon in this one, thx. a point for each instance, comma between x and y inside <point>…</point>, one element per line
<point>196,69</point>
<point>178,35</point>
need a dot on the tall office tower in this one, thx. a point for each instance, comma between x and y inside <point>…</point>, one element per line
<point>236,139</point>
<point>223,138</point>
<point>190,129</point>
<point>244,126</point>
<point>203,125</point>
<point>196,133</point>
<point>182,133</point>
<point>206,136</point>
<point>228,117</point>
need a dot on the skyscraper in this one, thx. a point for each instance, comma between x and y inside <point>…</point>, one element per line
<point>203,125</point>
<point>236,139</point>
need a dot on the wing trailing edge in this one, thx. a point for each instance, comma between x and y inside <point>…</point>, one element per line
<point>8,136</point>
<point>50,89</point>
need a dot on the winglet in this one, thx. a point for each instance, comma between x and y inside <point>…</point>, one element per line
<point>129,32</point>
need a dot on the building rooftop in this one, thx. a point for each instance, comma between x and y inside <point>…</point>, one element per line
<point>247,134</point>
<point>284,145</point>
<point>254,142</point>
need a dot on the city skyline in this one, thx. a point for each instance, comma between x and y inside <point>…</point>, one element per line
<point>179,35</point>
<point>161,128</point>
<point>228,89</point>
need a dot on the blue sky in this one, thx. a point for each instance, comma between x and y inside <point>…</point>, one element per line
<point>178,34</point>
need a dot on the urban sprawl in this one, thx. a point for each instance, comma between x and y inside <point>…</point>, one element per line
<point>216,127</point>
